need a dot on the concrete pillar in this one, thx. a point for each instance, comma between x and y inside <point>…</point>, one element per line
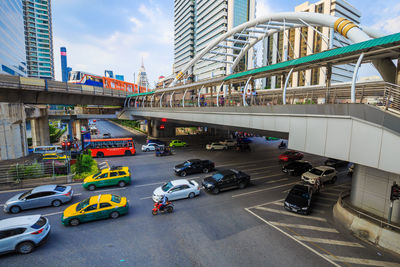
<point>371,191</point>
<point>168,131</point>
<point>76,129</point>
<point>40,130</point>
<point>13,143</point>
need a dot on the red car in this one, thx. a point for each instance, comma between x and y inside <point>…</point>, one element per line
<point>290,155</point>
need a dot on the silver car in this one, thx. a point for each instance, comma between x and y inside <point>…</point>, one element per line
<point>23,233</point>
<point>41,196</point>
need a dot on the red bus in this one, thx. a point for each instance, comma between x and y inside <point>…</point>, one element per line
<point>112,147</point>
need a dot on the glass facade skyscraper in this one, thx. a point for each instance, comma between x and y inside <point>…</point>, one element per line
<point>39,38</point>
<point>12,45</point>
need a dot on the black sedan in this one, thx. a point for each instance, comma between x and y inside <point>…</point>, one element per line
<point>299,199</point>
<point>194,166</point>
<point>226,179</point>
<point>297,167</point>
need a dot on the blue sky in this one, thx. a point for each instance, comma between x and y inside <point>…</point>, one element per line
<point>104,34</point>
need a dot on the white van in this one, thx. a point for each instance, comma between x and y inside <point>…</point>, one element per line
<point>47,149</point>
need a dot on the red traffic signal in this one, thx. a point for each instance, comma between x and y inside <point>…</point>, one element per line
<point>162,127</point>
<point>163,120</point>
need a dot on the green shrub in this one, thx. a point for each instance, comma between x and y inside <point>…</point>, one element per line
<point>85,165</point>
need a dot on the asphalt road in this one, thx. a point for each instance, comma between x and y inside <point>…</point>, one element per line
<point>246,227</point>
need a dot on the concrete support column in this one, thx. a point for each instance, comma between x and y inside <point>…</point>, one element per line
<point>168,131</point>
<point>13,143</point>
<point>371,191</point>
<point>40,130</point>
<point>76,129</point>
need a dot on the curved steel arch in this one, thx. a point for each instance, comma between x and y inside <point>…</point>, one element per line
<point>276,23</point>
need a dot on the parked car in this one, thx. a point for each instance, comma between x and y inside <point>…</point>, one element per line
<point>151,147</point>
<point>229,142</point>
<point>118,175</point>
<point>106,135</point>
<point>194,166</point>
<point>299,199</point>
<point>177,189</point>
<point>244,140</point>
<point>23,233</point>
<point>41,196</point>
<point>335,163</point>
<point>297,167</point>
<point>216,146</point>
<point>54,156</point>
<point>226,179</point>
<point>325,173</point>
<point>290,155</point>
<point>95,208</point>
<point>177,143</point>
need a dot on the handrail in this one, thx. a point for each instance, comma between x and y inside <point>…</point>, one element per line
<point>359,213</point>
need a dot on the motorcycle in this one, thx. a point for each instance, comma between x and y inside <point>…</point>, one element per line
<point>167,208</point>
<point>282,145</point>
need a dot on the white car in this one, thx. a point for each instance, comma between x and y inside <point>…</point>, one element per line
<point>150,147</point>
<point>216,146</point>
<point>325,173</point>
<point>229,142</point>
<point>177,189</point>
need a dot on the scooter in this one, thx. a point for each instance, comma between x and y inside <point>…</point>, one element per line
<point>282,145</point>
<point>167,208</point>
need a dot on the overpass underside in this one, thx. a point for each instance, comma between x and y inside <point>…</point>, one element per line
<point>357,133</point>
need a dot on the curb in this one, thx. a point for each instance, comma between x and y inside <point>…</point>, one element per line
<point>128,129</point>
<point>367,230</point>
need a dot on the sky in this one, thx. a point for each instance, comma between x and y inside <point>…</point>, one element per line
<point>116,35</point>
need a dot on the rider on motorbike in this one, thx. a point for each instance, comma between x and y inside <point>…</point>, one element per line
<point>162,202</point>
<point>282,144</point>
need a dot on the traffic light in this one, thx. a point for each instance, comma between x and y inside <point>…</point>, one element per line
<point>63,145</point>
<point>395,192</point>
<point>162,127</point>
<point>66,145</point>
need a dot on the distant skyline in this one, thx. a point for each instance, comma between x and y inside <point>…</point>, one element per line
<point>101,34</point>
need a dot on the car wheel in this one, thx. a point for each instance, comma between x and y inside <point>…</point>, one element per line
<point>215,190</point>
<point>191,195</point>
<point>121,184</point>
<point>56,203</point>
<point>74,222</point>
<point>154,212</point>
<point>147,150</point>
<point>114,215</point>
<point>183,174</point>
<point>170,209</point>
<point>128,153</point>
<point>91,187</point>
<point>15,209</point>
<point>206,170</point>
<point>25,247</point>
<point>333,180</point>
<point>100,154</point>
<point>242,185</point>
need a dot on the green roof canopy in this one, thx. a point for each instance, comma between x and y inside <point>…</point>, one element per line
<point>325,55</point>
<point>140,94</point>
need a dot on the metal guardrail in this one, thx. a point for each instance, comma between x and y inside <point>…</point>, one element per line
<point>361,214</point>
<point>382,94</point>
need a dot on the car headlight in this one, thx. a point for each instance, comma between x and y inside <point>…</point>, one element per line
<point>286,203</point>
<point>209,185</point>
<point>305,208</point>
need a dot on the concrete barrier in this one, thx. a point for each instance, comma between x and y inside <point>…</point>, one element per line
<point>366,229</point>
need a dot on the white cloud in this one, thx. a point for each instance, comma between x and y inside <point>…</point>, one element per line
<point>263,8</point>
<point>151,37</point>
<point>389,20</point>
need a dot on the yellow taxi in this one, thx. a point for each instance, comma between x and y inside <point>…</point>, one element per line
<point>54,156</point>
<point>107,177</point>
<point>95,208</point>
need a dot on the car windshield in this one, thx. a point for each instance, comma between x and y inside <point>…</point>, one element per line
<point>316,171</point>
<point>299,193</point>
<point>167,187</point>
<point>217,176</point>
<point>82,204</point>
<point>97,174</point>
<point>24,195</point>
<point>115,198</point>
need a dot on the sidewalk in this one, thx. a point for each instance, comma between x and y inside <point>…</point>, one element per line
<point>128,128</point>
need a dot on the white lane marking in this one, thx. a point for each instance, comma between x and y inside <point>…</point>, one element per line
<point>267,203</point>
<point>148,184</point>
<point>1,205</point>
<point>291,237</point>
<point>261,168</point>
<point>275,181</point>
<point>145,198</point>
<point>323,205</point>
<point>263,177</point>
<point>241,163</point>
<point>261,190</point>
<point>363,261</point>
<point>308,227</point>
<point>54,213</point>
<point>328,241</point>
<point>78,194</point>
<point>284,212</point>
<point>106,190</point>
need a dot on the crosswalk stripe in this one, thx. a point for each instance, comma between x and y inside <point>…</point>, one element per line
<point>280,203</point>
<point>275,181</point>
<point>362,261</point>
<point>291,214</point>
<point>261,190</point>
<point>328,241</point>
<point>308,227</point>
<point>263,177</point>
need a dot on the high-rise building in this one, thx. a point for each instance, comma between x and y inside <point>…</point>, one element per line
<point>39,38</point>
<point>142,77</point>
<point>12,42</point>
<point>64,66</point>
<point>197,22</point>
<point>300,42</point>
